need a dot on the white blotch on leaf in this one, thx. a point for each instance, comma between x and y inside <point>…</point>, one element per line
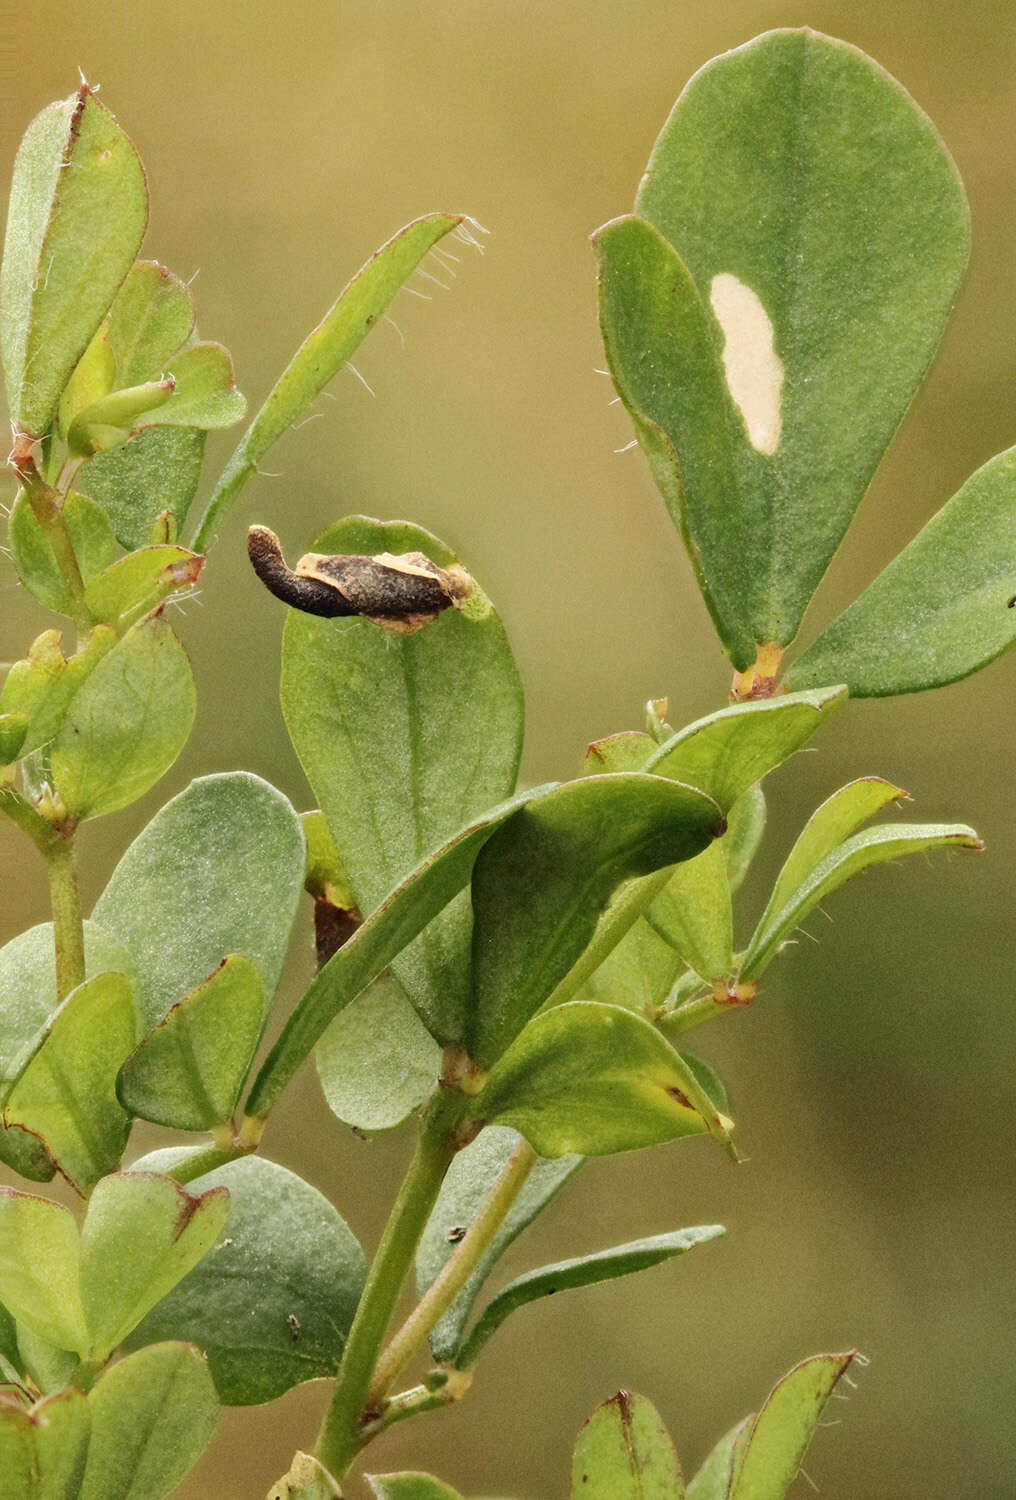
<point>753,369</point>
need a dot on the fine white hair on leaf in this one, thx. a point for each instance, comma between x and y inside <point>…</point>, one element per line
<point>191,280</point>
<point>806,1476</point>
<point>414,293</point>
<point>387,317</point>
<point>444,255</point>
<point>313,417</point>
<point>429,276</point>
<point>627,447</point>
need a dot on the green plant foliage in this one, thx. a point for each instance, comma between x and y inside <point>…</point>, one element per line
<point>377,1062</point>
<point>595,1079</point>
<point>410,1486</point>
<point>307,1480</point>
<point>801,365</point>
<point>152,316</point>
<point>127,723</point>
<point>144,577</point>
<point>470,1177</point>
<point>939,610</point>
<point>692,913</point>
<point>323,353</point>
<point>43,684</point>
<point>715,1479</point>
<point>43,1447</point>
<point>637,973</point>
<point>746,824</point>
<point>272,1304</point>
<point>156,474</point>
<point>78,212</point>
<point>142,1233</point>
<point>91,536</point>
<point>542,883</point>
<point>583,1270</point>
<point>218,870</point>
<point>28,1000</point>
<point>624,1453</point>
<point>189,1070</point>
<point>205,394</point>
<point>780,1435</point>
<point>404,739</point>
<point>874,846</point>
<point>425,892</point>
<point>153,1414</point>
<point>39,1260</point>
<point>727,752</point>
<point>66,1096</point>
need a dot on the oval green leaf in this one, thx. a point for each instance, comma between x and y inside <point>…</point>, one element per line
<point>151,318</point>
<point>188,1072</point>
<point>142,1233</point>
<point>624,1453</point>
<point>715,1478</point>
<point>43,1448</point>
<point>785,1426</point>
<point>594,1079</point>
<point>39,1268</point>
<point>543,881</point>
<point>410,1486</point>
<point>218,870</point>
<point>377,1062</point>
<point>127,724</point>
<point>144,577</point>
<point>91,537</point>
<point>77,215</point>
<point>942,609</point>
<point>271,1305</point>
<point>825,229</point>
<point>404,739</point>
<point>157,472</point>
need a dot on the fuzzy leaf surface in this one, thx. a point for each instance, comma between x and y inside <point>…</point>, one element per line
<point>39,1264</point>
<point>218,870</point>
<point>271,1304</point>
<point>157,472</point>
<point>624,1453</point>
<point>42,1450</point>
<point>377,1062</point>
<point>91,537</point>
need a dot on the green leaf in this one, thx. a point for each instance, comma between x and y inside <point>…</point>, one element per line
<point>127,724</point>
<point>91,537</point>
<point>324,352</point>
<point>624,1453</point>
<point>141,1235</point>
<point>206,395</point>
<point>188,1072</point>
<point>377,1062</point>
<point>785,1426</point>
<point>939,610</point>
<point>108,422</point>
<point>793,143</point>
<point>67,1094</point>
<point>78,211</point>
<point>837,818</point>
<point>470,1178</point>
<point>153,1415</point>
<point>374,945</point>
<point>872,847</point>
<point>404,739</point>
<point>638,972</point>
<point>729,751</point>
<point>156,472</point>
<point>43,1449</point>
<point>50,1368</point>
<point>583,1270</point>
<point>543,881</point>
<point>151,318</point>
<point>28,1000</point>
<point>43,684</point>
<point>13,731</point>
<point>218,870</point>
<point>410,1486</point>
<point>593,1079</point>
<point>39,1260</point>
<point>714,1480</point>
<point>93,377</point>
<point>692,913</point>
<point>746,823</point>
<point>272,1304</point>
<point>146,576</point>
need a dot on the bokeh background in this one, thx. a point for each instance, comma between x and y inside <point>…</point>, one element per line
<point>874,1081</point>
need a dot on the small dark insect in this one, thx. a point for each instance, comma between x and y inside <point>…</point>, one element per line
<point>294,1327</point>
<point>456,1233</point>
<point>398,593</point>
<point>1012,602</point>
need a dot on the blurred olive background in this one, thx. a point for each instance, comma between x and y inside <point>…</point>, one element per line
<point>873,1083</point>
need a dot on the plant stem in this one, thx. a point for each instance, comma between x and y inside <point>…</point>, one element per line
<point>68,929</point>
<point>456,1272</point>
<point>413,1402</point>
<point>339,1438</point>
<point>47,507</point>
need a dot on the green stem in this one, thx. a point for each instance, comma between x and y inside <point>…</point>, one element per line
<point>21,812</point>
<point>339,1438</point>
<point>454,1274</point>
<point>68,928</point>
<point>413,1402</point>
<point>47,507</point>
